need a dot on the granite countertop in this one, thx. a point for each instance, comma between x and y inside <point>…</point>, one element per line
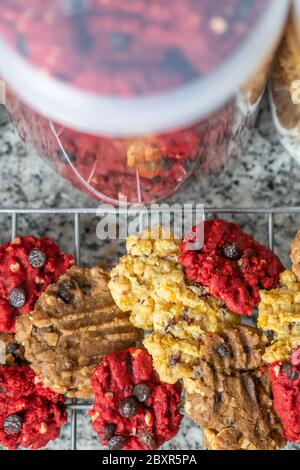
<point>263,175</point>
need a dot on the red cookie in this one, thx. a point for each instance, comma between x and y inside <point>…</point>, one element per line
<point>285,379</point>
<point>231,264</point>
<point>30,415</point>
<point>133,409</point>
<point>27,266</point>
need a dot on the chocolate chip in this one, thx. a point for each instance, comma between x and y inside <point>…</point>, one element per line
<point>17,297</point>
<point>288,369</point>
<point>65,290</point>
<point>37,258</point>
<point>146,437</point>
<point>232,251</point>
<point>13,424</point>
<point>224,351</point>
<point>86,288</point>
<point>109,431</point>
<point>12,348</point>
<point>174,360</point>
<point>142,392</point>
<point>128,407</point>
<point>116,443</point>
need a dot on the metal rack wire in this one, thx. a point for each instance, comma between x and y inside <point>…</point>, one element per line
<point>270,213</point>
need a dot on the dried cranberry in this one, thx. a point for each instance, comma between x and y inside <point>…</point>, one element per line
<point>174,360</point>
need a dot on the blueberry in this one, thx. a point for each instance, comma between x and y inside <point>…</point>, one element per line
<point>129,407</point>
<point>142,392</point>
<point>17,297</point>
<point>13,424</point>
<point>37,258</point>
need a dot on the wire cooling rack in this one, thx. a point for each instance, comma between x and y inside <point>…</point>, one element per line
<point>77,405</point>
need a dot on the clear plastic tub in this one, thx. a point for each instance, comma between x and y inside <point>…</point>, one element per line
<point>284,88</point>
<point>128,98</point>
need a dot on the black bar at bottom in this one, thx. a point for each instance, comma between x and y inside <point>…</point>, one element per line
<point>132,459</point>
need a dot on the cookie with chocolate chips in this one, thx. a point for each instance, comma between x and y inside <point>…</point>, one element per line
<point>73,325</point>
<point>27,266</point>
<point>31,415</point>
<point>232,398</point>
<point>133,409</point>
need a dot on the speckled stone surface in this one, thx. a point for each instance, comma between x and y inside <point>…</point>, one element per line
<point>264,175</point>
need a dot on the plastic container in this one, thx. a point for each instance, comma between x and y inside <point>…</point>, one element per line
<point>284,88</point>
<point>128,98</point>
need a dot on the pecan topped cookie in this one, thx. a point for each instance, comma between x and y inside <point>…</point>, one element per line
<point>74,324</point>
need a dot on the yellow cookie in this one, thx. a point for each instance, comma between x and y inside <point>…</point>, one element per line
<point>279,312</point>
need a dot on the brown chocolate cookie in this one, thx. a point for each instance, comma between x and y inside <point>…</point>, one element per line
<point>74,324</point>
<point>233,401</point>
<point>11,352</point>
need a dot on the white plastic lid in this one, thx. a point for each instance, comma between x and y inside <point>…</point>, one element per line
<point>130,67</point>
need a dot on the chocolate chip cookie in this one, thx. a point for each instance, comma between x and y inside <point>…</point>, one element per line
<point>73,325</point>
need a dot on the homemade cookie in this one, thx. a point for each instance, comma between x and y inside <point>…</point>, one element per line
<point>279,314</point>
<point>136,276</point>
<point>133,409</point>
<point>285,377</point>
<point>30,414</point>
<point>74,324</point>
<point>230,397</point>
<point>231,264</point>
<point>11,352</point>
<point>27,266</point>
